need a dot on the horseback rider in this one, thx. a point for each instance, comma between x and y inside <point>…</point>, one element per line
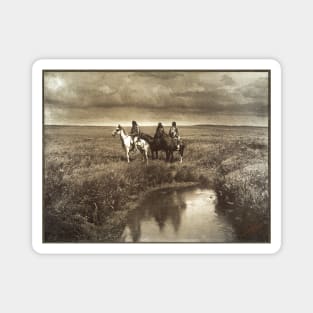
<point>135,134</point>
<point>174,133</point>
<point>159,131</point>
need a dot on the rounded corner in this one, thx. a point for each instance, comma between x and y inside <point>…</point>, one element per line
<point>276,64</point>
<point>37,64</point>
<point>36,248</point>
<point>276,248</point>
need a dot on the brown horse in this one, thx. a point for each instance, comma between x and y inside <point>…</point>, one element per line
<point>164,142</point>
<point>154,145</point>
<point>170,145</point>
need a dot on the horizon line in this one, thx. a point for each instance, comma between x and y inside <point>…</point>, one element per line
<point>167,125</point>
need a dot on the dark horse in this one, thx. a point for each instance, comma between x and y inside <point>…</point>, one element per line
<point>164,143</point>
<point>154,144</point>
<point>169,145</point>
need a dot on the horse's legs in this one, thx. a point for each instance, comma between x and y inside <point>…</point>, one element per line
<point>146,155</point>
<point>181,153</point>
<point>127,155</point>
<point>171,156</point>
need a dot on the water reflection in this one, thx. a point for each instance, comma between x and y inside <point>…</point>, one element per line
<point>185,215</point>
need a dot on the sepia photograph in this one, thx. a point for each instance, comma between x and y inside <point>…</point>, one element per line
<point>156,156</point>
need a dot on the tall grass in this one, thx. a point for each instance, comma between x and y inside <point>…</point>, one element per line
<point>89,188</point>
<point>96,203</point>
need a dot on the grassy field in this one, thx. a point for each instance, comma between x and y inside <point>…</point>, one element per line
<point>89,188</point>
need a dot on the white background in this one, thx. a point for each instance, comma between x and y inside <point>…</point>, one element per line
<point>30,30</point>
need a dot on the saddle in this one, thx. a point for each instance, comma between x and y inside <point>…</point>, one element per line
<point>136,144</point>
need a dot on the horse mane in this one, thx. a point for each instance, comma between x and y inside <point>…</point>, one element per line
<point>122,128</point>
<point>147,137</point>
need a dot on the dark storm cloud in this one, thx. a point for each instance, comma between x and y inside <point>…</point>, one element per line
<point>193,97</point>
<point>256,90</point>
<point>206,99</point>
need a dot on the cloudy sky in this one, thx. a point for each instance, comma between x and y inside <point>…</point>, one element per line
<point>109,98</point>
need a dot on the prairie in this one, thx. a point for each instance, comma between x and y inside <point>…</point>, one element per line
<point>89,188</point>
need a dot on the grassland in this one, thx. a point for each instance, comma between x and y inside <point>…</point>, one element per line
<point>89,188</point>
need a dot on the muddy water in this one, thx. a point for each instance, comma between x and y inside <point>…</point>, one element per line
<point>183,215</point>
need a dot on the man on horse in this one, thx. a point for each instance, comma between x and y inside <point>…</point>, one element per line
<point>135,134</point>
<point>159,131</point>
<point>174,133</point>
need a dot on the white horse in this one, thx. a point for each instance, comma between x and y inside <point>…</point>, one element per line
<point>128,143</point>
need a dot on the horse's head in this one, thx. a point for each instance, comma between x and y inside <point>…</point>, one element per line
<point>117,130</point>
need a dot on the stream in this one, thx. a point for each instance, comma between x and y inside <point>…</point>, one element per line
<point>178,215</point>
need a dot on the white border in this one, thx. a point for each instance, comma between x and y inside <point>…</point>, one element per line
<point>154,64</point>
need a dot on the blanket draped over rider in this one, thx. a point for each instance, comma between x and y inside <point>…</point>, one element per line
<point>174,133</point>
<point>135,132</point>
